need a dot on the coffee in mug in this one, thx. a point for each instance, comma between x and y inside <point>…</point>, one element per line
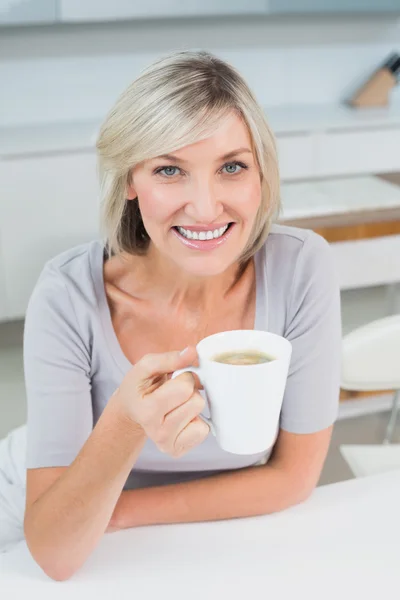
<point>243,357</point>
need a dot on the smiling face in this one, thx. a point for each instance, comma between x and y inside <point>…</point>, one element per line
<point>199,205</point>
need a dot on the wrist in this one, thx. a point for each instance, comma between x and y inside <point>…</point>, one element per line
<point>123,417</point>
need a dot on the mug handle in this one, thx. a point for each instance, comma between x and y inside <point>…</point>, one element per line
<point>197,370</point>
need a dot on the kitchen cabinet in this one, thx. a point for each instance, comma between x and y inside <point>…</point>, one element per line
<point>104,10</point>
<point>48,204</point>
<point>367,151</point>
<point>296,155</point>
<point>17,12</point>
<point>369,262</point>
<point>332,6</point>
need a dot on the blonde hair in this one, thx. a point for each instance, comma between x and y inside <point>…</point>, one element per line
<point>177,101</point>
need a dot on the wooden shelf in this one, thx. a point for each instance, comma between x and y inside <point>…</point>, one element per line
<point>359,232</point>
<point>353,395</point>
<point>342,228</point>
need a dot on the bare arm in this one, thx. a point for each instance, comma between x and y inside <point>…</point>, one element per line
<point>64,525</point>
<point>289,478</point>
<point>69,509</point>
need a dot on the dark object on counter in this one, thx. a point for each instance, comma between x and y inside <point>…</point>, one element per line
<point>393,64</point>
<point>375,91</point>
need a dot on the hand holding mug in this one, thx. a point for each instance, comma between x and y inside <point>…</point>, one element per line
<point>166,409</point>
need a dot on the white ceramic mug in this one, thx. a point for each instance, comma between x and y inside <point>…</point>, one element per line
<point>244,400</point>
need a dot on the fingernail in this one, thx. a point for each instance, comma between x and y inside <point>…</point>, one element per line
<point>183,351</point>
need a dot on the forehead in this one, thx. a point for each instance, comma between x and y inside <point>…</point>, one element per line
<point>230,133</point>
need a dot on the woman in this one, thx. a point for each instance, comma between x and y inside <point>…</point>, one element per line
<point>190,188</point>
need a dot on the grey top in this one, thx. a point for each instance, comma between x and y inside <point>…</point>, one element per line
<point>73,361</point>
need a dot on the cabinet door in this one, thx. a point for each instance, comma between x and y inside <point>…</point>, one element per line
<point>18,12</point>
<point>47,205</point>
<point>296,154</point>
<point>357,152</point>
<point>106,10</point>
<point>365,263</point>
<point>332,6</point>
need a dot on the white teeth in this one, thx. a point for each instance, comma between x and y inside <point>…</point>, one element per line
<point>202,235</point>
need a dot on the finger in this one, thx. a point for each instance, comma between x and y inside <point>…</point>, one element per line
<point>197,383</point>
<point>191,436</point>
<point>173,393</point>
<point>155,365</point>
<point>177,419</point>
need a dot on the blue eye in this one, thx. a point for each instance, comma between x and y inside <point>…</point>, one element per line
<point>232,167</point>
<point>167,171</point>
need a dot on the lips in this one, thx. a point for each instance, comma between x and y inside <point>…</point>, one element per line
<point>210,227</point>
<point>207,244</point>
<point>202,234</point>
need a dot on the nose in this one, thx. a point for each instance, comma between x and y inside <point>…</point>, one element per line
<point>204,205</point>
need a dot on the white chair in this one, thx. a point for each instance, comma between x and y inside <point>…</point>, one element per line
<point>364,459</point>
<point>371,362</point>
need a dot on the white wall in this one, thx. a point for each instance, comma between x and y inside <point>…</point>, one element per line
<point>76,72</point>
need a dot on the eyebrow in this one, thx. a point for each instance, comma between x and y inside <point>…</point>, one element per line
<point>230,154</point>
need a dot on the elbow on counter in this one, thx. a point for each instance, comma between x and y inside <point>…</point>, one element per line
<point>299,495</point>
<point>57,574</point>
<point>53,565</point>
<point>55,570</point>
<point>304,494</point>
<point>305,490</point>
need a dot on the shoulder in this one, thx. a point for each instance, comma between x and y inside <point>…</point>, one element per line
<point>71,267</point>
<point>304,269</point>
<point>74,262</point>
<point>292,255</point>
<point>298,271</point>
<point>67,280</point>
<point>285,241</point>
<point>64,303</point>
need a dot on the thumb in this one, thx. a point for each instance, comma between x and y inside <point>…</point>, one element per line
<point>188,357</point>
<point>155,365</point>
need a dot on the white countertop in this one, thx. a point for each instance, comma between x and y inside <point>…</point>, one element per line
<point>343,543</point>
<point>315,118</point>
<point>285,119</point>
<point>319,197</point>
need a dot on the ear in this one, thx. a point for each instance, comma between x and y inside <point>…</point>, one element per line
<point>130,193</point>
<point>130,190</point>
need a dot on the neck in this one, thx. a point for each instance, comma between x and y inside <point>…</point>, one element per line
<point>162,278</point>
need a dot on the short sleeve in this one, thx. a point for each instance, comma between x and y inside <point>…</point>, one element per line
<point>57,376</point>
<point>311,397</point>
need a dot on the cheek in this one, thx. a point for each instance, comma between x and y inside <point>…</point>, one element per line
<point>246,198</point>
<point>156,203</point>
